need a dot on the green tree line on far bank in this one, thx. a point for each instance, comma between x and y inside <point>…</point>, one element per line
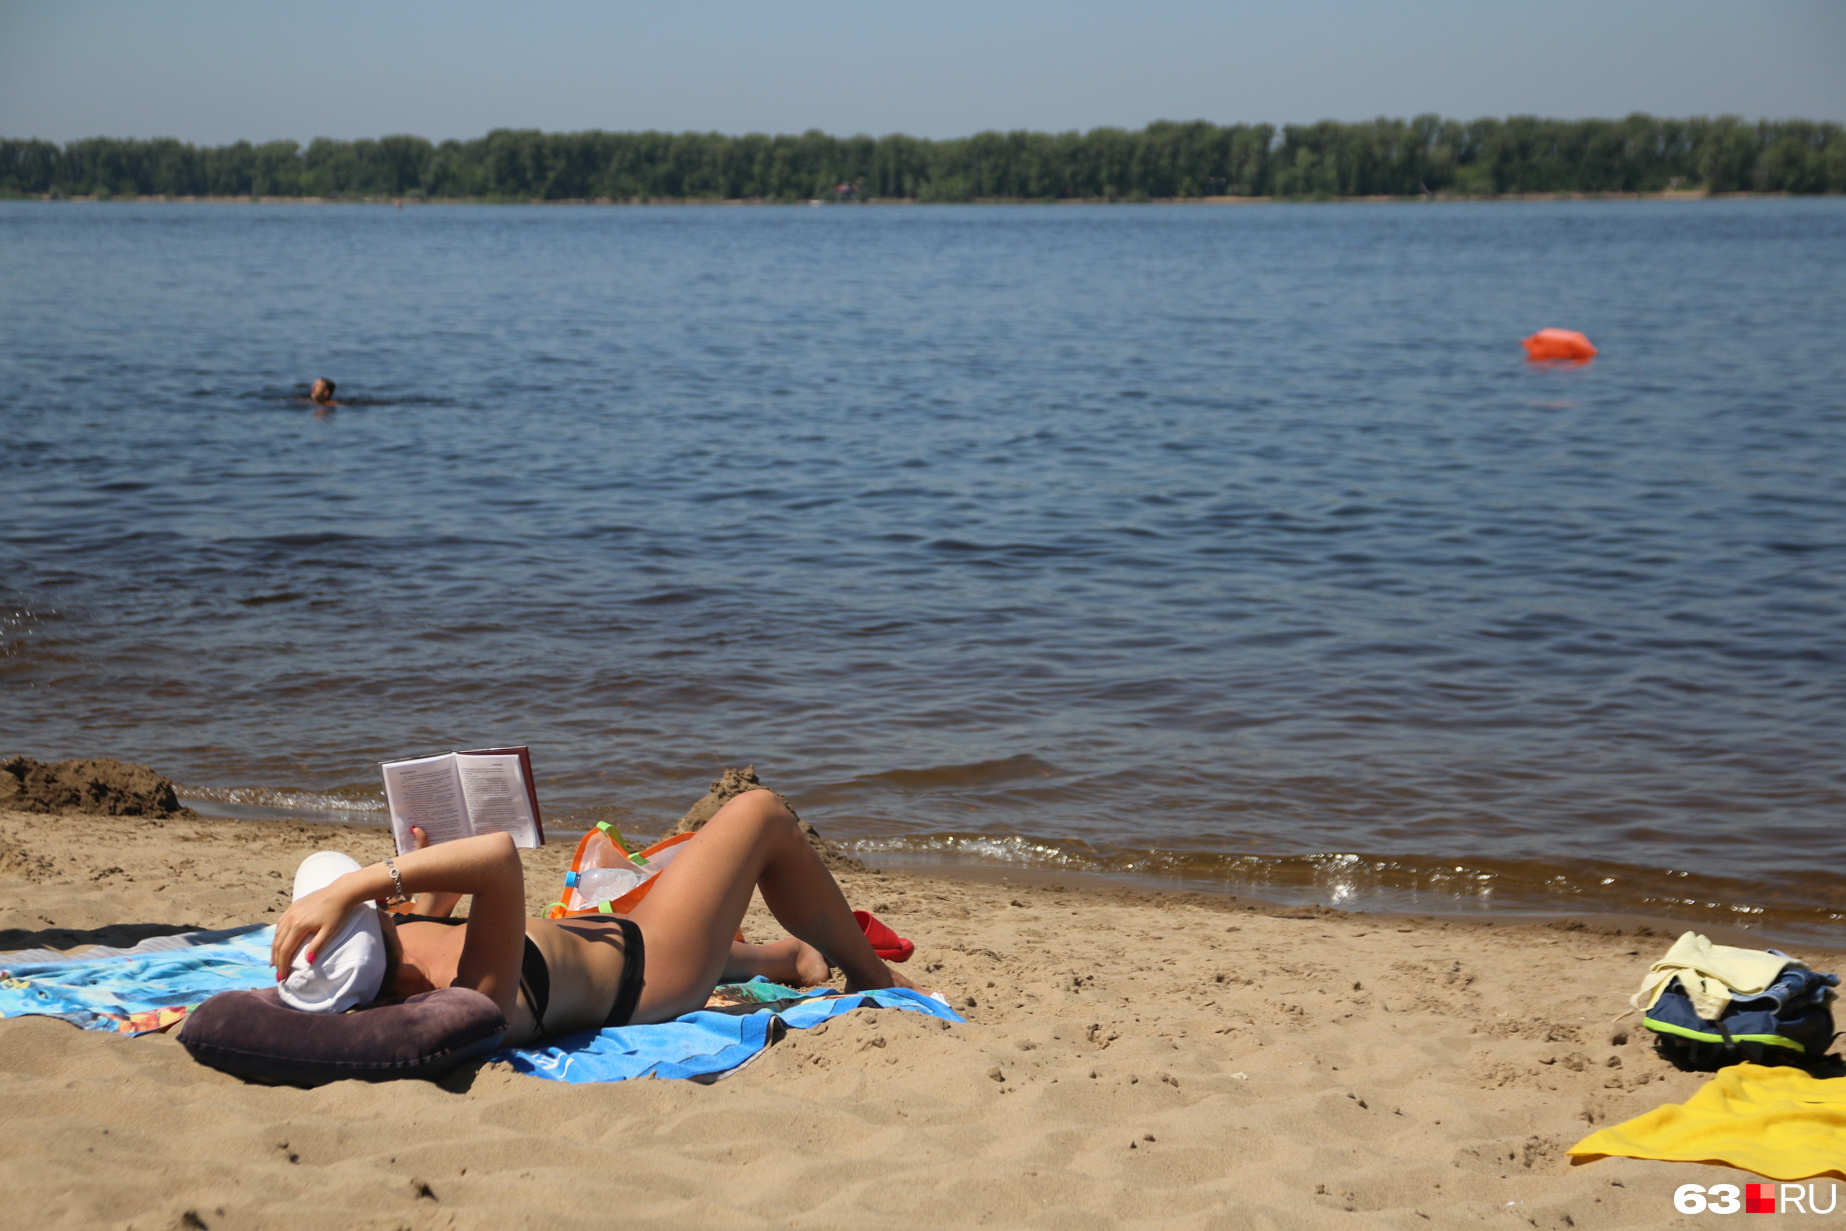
<point>1395,158</point>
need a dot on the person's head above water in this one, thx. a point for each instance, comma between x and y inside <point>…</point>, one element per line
<point>322,391</point>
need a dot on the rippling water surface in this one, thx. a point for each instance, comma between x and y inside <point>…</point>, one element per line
<point>1219,544</point>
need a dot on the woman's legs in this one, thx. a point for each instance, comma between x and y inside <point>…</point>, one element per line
<point>691,915</point>
<point>793,962</point>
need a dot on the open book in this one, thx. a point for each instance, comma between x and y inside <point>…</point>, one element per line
<point>460,794</point>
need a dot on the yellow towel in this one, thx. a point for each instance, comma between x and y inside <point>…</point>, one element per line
<point>1711,974</point>
<point>1780,1123</point>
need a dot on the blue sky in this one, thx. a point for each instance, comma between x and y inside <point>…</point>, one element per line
<point>213,71</point>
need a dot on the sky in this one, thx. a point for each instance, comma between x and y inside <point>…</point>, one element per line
<point>214,71</point>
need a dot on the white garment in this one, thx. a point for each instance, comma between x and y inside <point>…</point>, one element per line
<point>1711,974</point>
<point>347,970</point>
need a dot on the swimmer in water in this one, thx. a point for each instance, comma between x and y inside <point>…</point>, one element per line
<point>322,393</point>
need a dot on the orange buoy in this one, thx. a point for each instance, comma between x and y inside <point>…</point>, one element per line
<point>1559,344</point>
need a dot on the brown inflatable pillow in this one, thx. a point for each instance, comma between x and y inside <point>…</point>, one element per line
<point>253,1035</point>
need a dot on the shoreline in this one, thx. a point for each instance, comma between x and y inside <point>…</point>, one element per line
<point>546,866</point>
<point>1129,1058</point>
<point>1363,883</point>
<point>1105,886</point>
<point>1437,198</point>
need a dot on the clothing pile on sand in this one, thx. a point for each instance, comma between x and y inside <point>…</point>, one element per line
<point>1720,1004</point>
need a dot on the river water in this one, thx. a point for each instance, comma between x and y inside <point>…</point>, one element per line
<point>1220,545</point>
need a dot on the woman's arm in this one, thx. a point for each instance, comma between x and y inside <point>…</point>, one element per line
<point>435,905</point>
<point>486,867</point>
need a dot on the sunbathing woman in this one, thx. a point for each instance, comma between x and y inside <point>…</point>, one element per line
<point>553,977</point>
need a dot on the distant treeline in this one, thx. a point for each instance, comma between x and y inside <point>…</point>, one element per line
<point>1397,158</point>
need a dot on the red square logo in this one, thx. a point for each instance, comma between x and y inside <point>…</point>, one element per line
<point>1759,1198</point>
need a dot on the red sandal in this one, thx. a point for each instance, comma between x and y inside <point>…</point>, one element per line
<point>885,943</point>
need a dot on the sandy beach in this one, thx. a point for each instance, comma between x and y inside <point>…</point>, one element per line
<point>1130,1059</point>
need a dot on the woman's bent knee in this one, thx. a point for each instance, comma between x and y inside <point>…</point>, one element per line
<point>761,808</point>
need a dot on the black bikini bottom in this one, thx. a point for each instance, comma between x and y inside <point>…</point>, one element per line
<point>535,972</point>
<point>535,975</point>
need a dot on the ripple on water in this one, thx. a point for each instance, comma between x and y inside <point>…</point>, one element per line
<point>1198,544</point>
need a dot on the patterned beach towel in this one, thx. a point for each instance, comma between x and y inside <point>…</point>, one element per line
<point>138,992</point>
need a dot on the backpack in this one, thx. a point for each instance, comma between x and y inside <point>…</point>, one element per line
<point>1790,1023</point>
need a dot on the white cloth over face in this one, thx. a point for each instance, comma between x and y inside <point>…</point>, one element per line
<point>350,968</point>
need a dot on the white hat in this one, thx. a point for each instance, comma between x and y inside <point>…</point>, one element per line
<point>350,968</point>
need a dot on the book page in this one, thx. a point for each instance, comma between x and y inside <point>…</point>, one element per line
<point>498,801</point>
<point>426,792</point>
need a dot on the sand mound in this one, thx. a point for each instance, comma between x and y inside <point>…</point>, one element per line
<point>100,787</point>
<point>734,782</point>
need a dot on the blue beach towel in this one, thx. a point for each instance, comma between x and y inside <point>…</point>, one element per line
<point>108,992</point>
<point>702,1044</point>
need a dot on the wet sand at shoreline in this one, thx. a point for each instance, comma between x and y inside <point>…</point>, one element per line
<point>1130,1058</point>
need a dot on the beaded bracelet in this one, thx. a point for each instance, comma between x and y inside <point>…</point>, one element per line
<point>397,881</point>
